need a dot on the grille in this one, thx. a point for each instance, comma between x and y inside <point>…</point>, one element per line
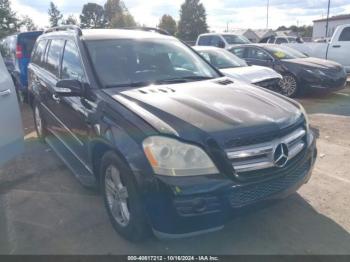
<point>249,194</point>
<point>253,139</point>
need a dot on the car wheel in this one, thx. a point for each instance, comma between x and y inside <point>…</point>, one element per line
<point>122,200</point>
<point>288,86</point>
<point>39,122</point>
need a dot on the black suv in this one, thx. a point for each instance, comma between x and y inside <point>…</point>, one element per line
<point>175,146</point>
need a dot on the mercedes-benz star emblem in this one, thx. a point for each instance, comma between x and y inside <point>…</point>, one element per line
<point>281,155</point>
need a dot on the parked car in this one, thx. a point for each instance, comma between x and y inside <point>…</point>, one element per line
<point>173,144</point>
<point>232,66</point>
<point>283,40</point>
<point>337,49</point>
<point>223,40</point>
<point>300,72</point>
<point>11,138</point>
<point>16,51</point>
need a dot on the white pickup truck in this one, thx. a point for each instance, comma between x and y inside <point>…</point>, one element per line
<point>338,49</point>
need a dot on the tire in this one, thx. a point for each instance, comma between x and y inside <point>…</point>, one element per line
<point>39,122</point>
<point>289,86</point>
<point>122,199</point>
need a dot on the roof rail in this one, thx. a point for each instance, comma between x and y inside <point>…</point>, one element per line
<point>65,28</point>
<point>149,29</point>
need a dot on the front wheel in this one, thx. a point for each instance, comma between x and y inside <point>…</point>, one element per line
<point>39,122</point>
<point>288,86</point>
<point>122,199</point>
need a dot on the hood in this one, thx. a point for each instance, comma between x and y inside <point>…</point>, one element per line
<point>314,63</point>
<point>251,74</point>
<point>218,108</point>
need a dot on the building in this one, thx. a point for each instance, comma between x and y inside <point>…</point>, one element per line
<point>248,33</point>
<point>319,30</point>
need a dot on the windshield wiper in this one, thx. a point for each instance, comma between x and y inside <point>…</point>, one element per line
<point>132,84</point>
<point>183,79</point>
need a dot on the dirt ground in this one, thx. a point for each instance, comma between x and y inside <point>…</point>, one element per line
<point>44,210</point>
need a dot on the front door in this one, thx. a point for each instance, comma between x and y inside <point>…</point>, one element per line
<point>339,49</point>
<point>11,134</point>
<point>73,111</point>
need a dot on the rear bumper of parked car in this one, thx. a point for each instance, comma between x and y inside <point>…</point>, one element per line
<point>191,206</point>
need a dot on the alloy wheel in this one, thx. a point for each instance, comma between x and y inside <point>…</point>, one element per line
<point>288,86</point>
<point>117,196</point>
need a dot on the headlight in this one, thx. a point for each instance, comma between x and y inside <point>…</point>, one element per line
<point>306,118</point>
<point>315,72</point>
<point>170,157</point>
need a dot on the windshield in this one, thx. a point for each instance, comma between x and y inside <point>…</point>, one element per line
<point>222,59</point>
<point>236,39</point>
<point>285,52</point>
<point>125,62</point>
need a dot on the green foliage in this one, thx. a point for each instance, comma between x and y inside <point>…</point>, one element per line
<point>55,15</point>
<point>28,23</point>
<point>71,20</point>
<point>117,15</point>
<point>168,23</point>
<point>9,23</point>
<point>92,16</point>
<point>193,20</point>
<point>302,31</point>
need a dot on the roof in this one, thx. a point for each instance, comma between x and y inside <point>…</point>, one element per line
<point>206,48</point>
<point>98,34</point>
<point>334,18</point>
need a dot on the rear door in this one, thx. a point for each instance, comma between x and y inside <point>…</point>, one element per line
<point>11,136</point>
<point>339,49</point>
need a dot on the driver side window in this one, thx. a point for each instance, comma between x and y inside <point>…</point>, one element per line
<point>258,54</point>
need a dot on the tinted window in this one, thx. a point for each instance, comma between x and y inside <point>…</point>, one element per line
<point>281,41</point>
<point>204,40</point>
<point>27,44</point>
<point>345,35</point>
<point>127,63</point>
<point>71,63</point>
<point>258,54</point>
<point>271,40</point>
<point>239,51</point>
<point>54,56</point>
<point>39,52</point>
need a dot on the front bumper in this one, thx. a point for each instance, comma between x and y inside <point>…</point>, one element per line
<point>329,83</point>
<point>182,207</point>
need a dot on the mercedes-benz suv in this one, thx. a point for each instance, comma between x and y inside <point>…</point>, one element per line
<point>174,146</point>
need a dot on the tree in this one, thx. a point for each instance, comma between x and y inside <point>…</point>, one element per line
<point>9,22</point>
<point>193,20</point>
<point>28,23</point>
<point>55,15</point>
<point>71,20</point>
<point>168,23</point>
<point>117,15</point>
<point>92,16</point>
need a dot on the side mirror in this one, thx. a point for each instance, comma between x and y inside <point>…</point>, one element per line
<point>69,88</point>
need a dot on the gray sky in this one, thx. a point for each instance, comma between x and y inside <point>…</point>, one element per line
<point>239,13</point>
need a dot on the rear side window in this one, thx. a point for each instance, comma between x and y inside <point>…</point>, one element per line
<point>205,40</point>
<point>345,35</point>
<point>71,63</point>
<point>38,54</point>
<point>54,55</point>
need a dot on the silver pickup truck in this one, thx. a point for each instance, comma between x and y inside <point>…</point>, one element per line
<point>338,49</point>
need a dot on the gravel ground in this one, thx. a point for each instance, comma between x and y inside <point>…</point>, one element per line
<point>44,210</point>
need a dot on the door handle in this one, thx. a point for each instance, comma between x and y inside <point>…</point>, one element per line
<point>336,46</point>
<point>5,92</point>
<point>56,98</point>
